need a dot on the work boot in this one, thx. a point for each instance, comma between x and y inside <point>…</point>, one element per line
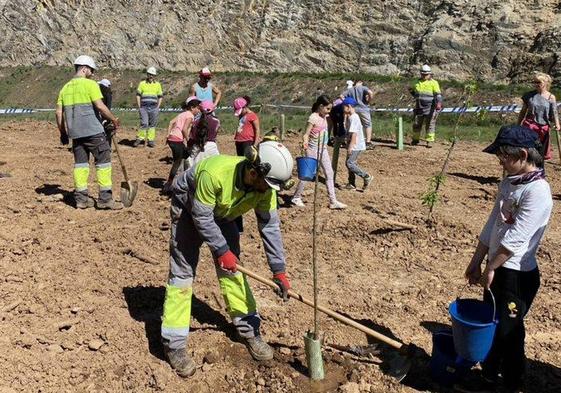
<point>151,144</point>
<point>109,205</point>
<point>89,202</point>
<point>259,349</point>
<point>367,181</point>
<point>137,142</point>
<point>182,363</point>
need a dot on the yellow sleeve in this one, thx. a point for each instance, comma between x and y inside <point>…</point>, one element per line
<point>94,92</point>
<point>436,87</point>
<point>268,202</point>
<point>59,99</point>
<point>139,89</point>
<point>207,189</point>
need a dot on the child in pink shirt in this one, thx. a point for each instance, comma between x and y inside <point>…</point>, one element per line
<point>178,135</point>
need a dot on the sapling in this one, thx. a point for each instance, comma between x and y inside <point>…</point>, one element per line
<point>431,197</point>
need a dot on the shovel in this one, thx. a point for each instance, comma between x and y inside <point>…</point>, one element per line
<point>398,366</point>
<point>128,188</point>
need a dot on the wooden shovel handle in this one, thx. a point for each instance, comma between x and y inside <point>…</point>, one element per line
<point>333,314</point>
<point>115,144</point>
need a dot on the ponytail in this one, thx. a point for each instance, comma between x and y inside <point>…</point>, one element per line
<point>321,100</point>
<point>201,132</point>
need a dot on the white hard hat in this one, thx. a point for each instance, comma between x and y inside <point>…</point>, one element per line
<point>425,69</point>
<point>276,156</point>
<point>151,71</point>
<point>349,84</point>
<point>84,60</point>
<point>105,82</point>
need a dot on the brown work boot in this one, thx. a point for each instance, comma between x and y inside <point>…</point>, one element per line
<point>259,349</point>
<point>182,363</point>
<point>89,202</point>
<point>109,205</point>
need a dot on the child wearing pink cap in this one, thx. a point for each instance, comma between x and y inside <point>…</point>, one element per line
<point>178,135</point>
<point>202,141</point>
<point>248,133</point>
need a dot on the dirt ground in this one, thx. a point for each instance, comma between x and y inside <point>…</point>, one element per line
<point>78,313</point>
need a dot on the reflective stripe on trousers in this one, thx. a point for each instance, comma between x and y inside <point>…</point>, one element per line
<point>99,148</point>
<point>185,244</point>
<point>430,126</point>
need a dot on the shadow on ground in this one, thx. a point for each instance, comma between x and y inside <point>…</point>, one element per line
<point>480,179</point>
<point>145,305</point>
<point>127,142</point>
<point>155,182</point>
<point>53,189</point>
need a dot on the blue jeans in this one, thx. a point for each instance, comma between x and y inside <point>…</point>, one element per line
<point>354,169</point>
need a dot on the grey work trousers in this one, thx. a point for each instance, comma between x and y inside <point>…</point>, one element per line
<point>354,169</point>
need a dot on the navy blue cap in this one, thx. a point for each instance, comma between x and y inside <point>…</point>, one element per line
<point>514,135</point>
<point>349,101</point>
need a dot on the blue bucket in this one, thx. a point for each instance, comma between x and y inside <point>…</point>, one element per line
<point>446,367</point>
<point>307,168</point>
<point>473,327</point>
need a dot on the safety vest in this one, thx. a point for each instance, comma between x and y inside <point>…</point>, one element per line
<point>218,183</point>
<point>426,93</point>
<point>149,92</point>
<point>77,98</point>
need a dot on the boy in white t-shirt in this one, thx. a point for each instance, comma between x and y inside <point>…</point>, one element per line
<point>355,144</point>
<point>510,240</point>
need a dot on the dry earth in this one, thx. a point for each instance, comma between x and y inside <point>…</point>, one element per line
<point>79,315</point>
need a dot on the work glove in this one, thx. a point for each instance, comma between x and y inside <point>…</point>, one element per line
<point>228,261</point>
<point>284,285</point>
<point>64,139</point>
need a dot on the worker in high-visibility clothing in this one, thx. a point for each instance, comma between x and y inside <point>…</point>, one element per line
<point>206,200</point>
<point>149,95</point>
<point>76,118</point>
<point>428,104</point>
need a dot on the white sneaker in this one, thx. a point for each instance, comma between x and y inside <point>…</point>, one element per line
<point>337,205</point>
<point>297,202</point>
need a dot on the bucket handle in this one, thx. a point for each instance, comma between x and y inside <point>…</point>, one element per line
<point>492,297</point>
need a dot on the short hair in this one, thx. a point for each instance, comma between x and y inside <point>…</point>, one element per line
<point>543,77</point>
<point>535,157</point>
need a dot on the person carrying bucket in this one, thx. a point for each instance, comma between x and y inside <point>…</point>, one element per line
<point>315,146</point>
<point>206,200</point>
<point>510,240</point>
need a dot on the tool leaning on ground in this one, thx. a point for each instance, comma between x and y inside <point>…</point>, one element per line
<point>128,188</point>
<point>398,367</point>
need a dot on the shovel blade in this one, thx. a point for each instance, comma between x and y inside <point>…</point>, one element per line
<point>128,193</point>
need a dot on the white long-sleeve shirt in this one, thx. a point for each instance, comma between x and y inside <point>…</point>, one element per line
<point>518,222</point>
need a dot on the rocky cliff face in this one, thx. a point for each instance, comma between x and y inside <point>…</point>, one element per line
<point>490,39</point>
